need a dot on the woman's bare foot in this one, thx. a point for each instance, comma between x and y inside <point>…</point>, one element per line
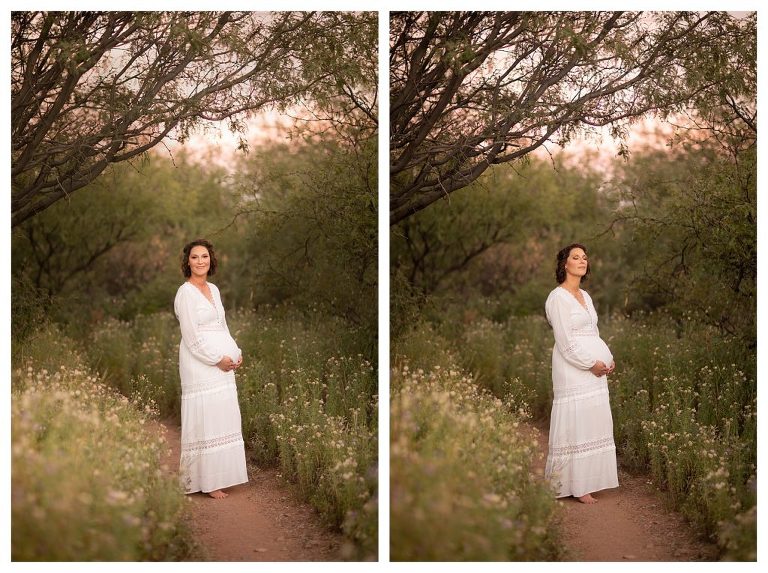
<point>587,499</point>
<point>218,494</point>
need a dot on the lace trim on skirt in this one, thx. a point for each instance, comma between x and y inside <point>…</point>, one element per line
<point>583,449</point>
<point>207,446</point>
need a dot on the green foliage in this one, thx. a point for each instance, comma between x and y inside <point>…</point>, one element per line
<point>685,408</point>
<point>737,538</point>
<point>310,236</point>
<point>112,249</point>
<point>496,241</point>
<point>433,246</point>
<point>87,484</point>
<point>483,348</point>
<point>140,359</point>
<point>28,306</point>
<point>463,487</point>
<point>311,406</point>
<point>691,225</point>
<point>425,348</point>
<point>47,349</point>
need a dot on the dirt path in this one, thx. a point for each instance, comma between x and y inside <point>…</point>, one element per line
<point>259,521</point>
<point>629,523</point>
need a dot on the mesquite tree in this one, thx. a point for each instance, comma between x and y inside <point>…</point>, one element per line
<point>473,89</point>
<point>93,88</point>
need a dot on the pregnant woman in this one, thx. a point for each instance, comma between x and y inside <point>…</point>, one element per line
<point>212,448</point>
<point>582,455</point>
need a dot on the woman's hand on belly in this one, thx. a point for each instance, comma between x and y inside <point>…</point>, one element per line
<point>599,369</point>
<point>611,368</point>
<point>226,364</point>
<point>238,363</point>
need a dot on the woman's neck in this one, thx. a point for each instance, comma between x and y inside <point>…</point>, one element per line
<point>571,283</point>
<point>197,281</point>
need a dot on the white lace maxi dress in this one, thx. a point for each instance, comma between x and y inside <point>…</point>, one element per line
<point>582,453</point>
<point>212,448</point>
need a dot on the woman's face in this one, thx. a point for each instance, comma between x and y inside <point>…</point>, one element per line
<point>199,261</point>
<point>576,263</point>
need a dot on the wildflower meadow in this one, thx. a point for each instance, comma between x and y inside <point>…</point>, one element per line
<point>306,407</point>
<point>87,450</point>
<point>86,465</point>
<point>683,399</point>
<point>464,486</point>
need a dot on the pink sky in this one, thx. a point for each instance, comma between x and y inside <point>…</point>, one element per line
<point>217,142</point>
<point>220,143</point>
<point>648,132</point>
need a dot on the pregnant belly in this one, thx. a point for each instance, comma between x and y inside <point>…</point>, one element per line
<point>224,343</point>
<point>595,346</point>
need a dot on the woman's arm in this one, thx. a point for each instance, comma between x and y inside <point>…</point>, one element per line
<point>184,306</point>
<point>559,316</point>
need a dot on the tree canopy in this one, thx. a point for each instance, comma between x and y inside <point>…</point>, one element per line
<point>93,88</point>
<point>472,89</point>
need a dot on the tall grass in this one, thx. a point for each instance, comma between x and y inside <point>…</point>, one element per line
<point>313,409</point>
<point>87,484</point>
<point>685,408</point>
<point>463,484</point>
<point>140,358</point>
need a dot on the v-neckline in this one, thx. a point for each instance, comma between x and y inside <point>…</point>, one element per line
<point>584,306</point>
<point>208,300</point>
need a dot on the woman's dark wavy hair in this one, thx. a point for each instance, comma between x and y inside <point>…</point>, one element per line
<point>185,257</point>
<point>562,257</point>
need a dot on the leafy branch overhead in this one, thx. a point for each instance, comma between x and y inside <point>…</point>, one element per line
<point>473,89</point>
<point>89,89</point>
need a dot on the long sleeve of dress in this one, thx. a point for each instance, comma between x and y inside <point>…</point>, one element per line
<point>184,306</point>
<point>559,316</point>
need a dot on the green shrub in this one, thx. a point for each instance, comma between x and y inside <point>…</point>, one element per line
<point>87,484</point>
<point>462,483</point>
